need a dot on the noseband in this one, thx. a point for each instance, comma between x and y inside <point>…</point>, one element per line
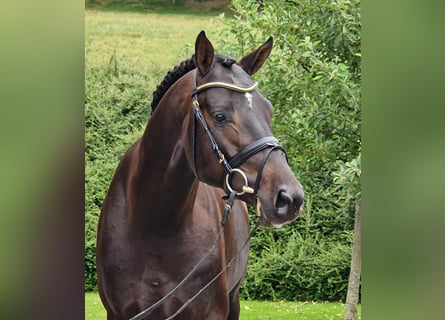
<point>231,165</point>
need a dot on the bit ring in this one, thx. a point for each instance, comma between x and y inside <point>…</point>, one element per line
<point>245,188</point>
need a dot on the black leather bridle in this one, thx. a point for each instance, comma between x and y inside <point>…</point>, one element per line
<point>231,164</point>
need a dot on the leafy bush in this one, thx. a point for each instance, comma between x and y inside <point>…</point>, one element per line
<point>301,269</point>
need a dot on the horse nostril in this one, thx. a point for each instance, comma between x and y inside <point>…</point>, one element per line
<point>287,203</point>
<point>283,202</point>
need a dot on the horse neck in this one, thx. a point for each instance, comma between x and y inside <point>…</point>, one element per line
<point>164,185</point>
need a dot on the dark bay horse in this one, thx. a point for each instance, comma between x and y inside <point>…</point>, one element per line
<point>209,134</point>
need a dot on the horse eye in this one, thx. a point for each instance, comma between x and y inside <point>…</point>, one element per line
<point>220,117</point>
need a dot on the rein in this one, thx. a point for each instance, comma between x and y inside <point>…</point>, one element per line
<point>231,166</point>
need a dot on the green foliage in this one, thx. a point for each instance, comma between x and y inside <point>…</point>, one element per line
<point>304,261</point>
<point>90,266</point>
<point>347,179</point>
<point>313,80</point>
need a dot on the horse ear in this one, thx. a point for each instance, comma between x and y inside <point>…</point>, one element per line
<point>255,60</point>
<point>203,53</point>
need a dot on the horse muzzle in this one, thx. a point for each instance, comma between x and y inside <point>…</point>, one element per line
<point>282,207</point>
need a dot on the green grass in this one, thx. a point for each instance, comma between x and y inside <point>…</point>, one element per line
<point>93,307</point>
<point>251,310</point>
<point>161,6</point>
<point>144,39</point>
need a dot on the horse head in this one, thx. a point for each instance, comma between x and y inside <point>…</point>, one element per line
<point>236,124</point>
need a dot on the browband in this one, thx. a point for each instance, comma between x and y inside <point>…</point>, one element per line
<point>224,85</point>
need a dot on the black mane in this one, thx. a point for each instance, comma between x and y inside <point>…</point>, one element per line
<point>171,77</point>
<point>178,71</point>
